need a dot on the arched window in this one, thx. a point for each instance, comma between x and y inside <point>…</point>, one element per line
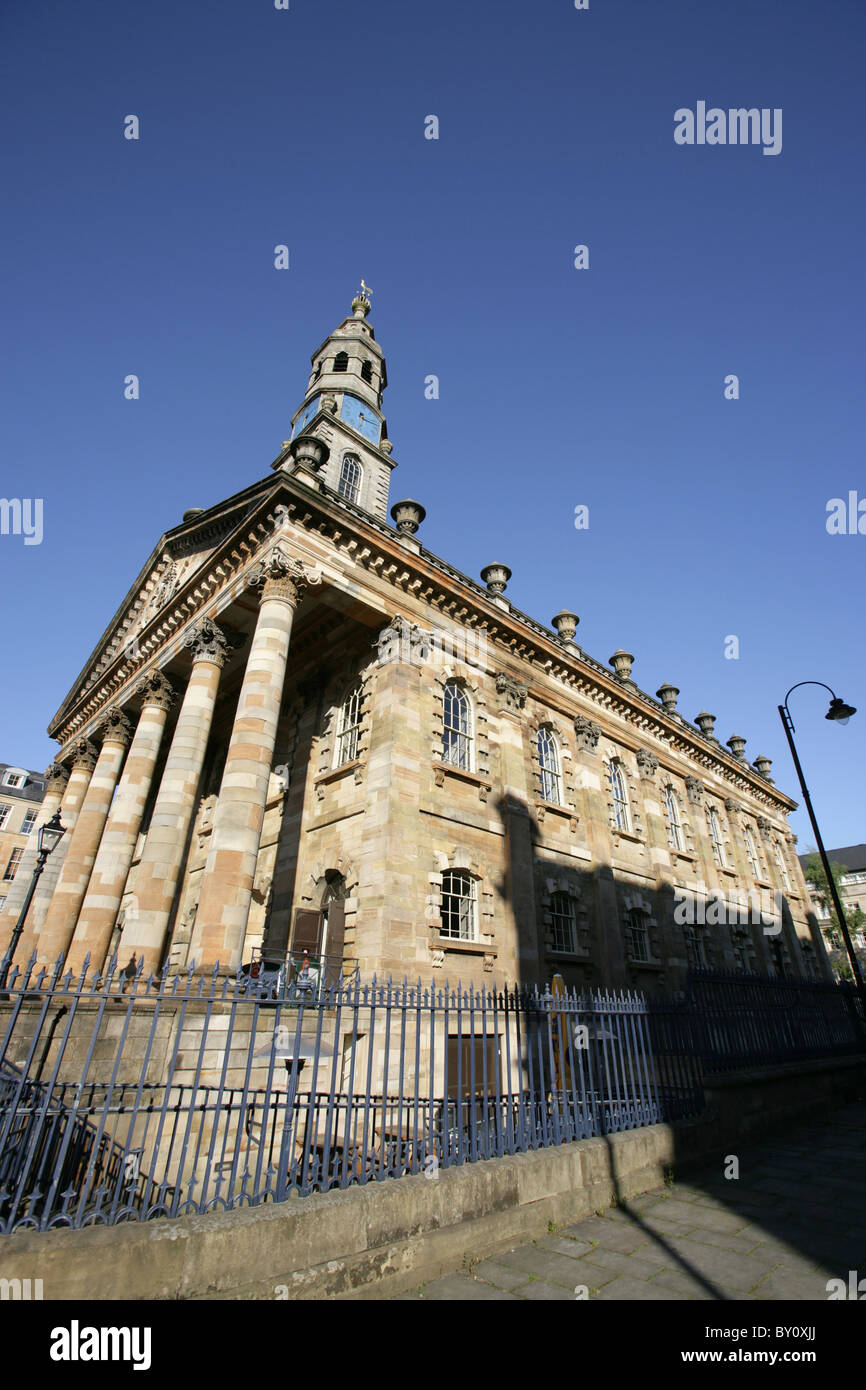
<point>459,906</point>
<point>350,478</point>
<point>348,728</point>
<point>637,942</point>
<point>751,852</point>
<point>341,362</point>
<point>783,869</point>
<point>457,728</point>
<point>367,371</point>
<point>619,793</point>
<point>672,814</point>
<point>551,777</point>
<point>716,837</point>
<point>563,912</point>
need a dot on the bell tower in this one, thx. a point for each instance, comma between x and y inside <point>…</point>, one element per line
<point>342,409</point>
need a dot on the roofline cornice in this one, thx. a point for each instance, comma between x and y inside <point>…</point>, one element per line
<point>416,573</point>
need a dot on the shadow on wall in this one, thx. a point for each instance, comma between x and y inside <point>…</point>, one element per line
<point>603,928</point>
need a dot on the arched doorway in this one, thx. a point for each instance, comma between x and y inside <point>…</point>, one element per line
<point>320,932</point>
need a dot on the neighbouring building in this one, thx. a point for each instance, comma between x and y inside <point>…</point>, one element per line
<point>21,793</point>
<point>302,729</point>
<point>852,891</point>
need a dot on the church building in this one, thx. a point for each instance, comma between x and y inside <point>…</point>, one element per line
<point>302,730</point>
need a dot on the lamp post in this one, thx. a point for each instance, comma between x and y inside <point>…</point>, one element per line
<point>840,713</point>
<point>50,835</point>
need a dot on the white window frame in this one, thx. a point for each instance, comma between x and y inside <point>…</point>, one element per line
<point>30,817</point>
<point>676,839</point>
<point>782,866</point>
<point>13,864</point>
<point>619,793</point>
<point>462,906</point>
<point>563,923</point>
<point>14,779</point>
<point>457,738</point>
<point>5,812</point>
<point>715,832</point>
<point>355,462</point>
<point>348,726</point>
<point>752,852</point>
<point>551,770</point>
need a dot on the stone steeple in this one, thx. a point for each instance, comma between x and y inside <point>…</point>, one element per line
<point>342,409</point>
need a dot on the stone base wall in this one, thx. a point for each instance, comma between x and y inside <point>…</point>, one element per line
<point>386,1238</point>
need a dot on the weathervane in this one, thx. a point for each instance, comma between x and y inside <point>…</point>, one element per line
<point>365,290</point>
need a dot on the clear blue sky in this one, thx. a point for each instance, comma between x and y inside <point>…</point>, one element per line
<point>558,387</point>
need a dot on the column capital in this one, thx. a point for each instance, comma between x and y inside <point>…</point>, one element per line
<point>83,754</point>
<point>56,777</point>
<point>280,575</point>
<point>115,728</point>
<point>155,689</point>
<point>207,642</point>
<point>588,733</point>
<point>512,693</point>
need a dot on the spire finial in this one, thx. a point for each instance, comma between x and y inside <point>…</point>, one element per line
<point>361,303</point>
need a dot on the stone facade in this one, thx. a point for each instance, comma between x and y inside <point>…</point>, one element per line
<point>302,728</point>
<point>22,792</point>
<point>852,891</point>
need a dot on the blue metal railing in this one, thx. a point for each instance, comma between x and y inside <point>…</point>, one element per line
<point>129,1099</point>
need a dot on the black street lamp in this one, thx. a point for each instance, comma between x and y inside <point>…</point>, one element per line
<point>840,713</point>
<point>50,835</point>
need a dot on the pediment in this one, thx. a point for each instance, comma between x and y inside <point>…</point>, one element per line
<point>174,562</point>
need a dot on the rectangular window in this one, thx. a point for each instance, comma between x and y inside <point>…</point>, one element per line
<point>14,779</point>
<point>14,861</point>
<point>637,935</point>
<point>564,923</point>
<point>5,810</point>
<point>695,950</point>
<point>458,907</point>
<point>28,822</point>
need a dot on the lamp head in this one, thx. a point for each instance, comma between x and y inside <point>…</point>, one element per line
<point>839,711</point>
<point>51,833</point>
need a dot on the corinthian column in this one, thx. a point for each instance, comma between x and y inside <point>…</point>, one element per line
<point>156,878</point>
<point>68,896</point>
<point>223,908</point>
<point>84,756</point>
<point>117,846</point>
<point>56,777</point>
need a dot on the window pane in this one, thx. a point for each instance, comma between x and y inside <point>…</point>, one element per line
<point>548,757</point>
<point>620,797</point>
<point>348,728</point>
<point>456,732</point>
<point>350,478</point>
<point>564,922</point>
<point>458,906</point>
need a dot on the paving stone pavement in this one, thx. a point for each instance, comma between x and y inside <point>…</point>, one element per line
<point>794,1218</point>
